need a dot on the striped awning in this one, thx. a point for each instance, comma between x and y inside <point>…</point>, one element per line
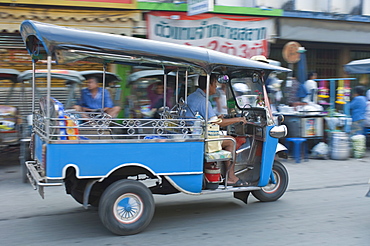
<point>123,22</point>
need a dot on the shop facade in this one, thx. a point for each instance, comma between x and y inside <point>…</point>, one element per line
<point>12,51</point>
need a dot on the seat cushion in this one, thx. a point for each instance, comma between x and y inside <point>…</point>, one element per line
<point>218,156</point>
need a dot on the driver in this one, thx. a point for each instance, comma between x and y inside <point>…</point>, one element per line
<point>197,103</point>
<point>91,99</point>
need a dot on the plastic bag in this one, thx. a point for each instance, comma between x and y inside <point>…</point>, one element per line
<point>213,132</point>
<point>359,145</point>
<point>320,151</point>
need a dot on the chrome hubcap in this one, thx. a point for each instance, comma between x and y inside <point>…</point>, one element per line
<point>271,188</point>
<point>128,208</point>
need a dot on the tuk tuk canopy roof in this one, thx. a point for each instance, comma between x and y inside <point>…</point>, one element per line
<point>68,75</point>
<point>109,77</point>
<point>9,74</point>
<point>358,66</point>
<point>146,73</point>
<point>66,44</point>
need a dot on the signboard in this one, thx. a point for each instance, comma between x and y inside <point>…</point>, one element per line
<point>237,35</point>
<point>290,52</point>
<point>196,7</point>
<point>128,4</point>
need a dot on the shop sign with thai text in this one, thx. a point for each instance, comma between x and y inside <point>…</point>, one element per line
<point>244,38</point>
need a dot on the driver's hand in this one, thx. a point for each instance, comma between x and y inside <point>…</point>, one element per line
<point>243,120</point>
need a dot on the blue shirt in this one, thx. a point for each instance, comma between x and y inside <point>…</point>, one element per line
<point>88,101</point>
<point>197,103</point>
<point>358,108</point>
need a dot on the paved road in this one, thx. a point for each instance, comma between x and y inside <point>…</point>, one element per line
<point>324,205</point>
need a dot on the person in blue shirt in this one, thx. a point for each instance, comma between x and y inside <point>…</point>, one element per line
<point>358,111</point>
<point>91,99</point>
<point>197,103</point>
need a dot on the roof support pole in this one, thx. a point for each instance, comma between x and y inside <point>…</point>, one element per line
<point>48,95</point>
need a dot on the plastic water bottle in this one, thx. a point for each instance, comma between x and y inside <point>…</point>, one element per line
<point>197,130</point>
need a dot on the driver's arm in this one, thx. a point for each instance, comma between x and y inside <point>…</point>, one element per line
<point>230,121</point>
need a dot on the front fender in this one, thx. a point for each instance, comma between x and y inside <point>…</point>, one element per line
<point>281,151</point>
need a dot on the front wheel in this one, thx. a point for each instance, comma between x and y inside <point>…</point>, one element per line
<point>126,207</point>
<point>273,192</point>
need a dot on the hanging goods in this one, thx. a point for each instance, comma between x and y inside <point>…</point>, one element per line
<point>347,91</point>
<point>340,93</point>
<point>323,92</point>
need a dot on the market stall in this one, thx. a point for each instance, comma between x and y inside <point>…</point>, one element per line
<point>321,121</point>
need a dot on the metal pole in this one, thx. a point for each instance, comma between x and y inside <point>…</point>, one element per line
<point>177,86</point>
<point>48,87</point>
<point>103,90</point>
<point>207,103</point>
<point>186,86</point>
<point>164,90</point>
<point>33,85</point>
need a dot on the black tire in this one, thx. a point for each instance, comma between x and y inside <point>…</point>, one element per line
<point>126,207</point>
<point>273,192</point>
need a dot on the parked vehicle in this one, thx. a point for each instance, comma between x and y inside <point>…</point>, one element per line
<point>9,114</point>
<point>68,94</point>
<point>119,165</point>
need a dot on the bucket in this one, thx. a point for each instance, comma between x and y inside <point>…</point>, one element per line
<point>339,146</point>
<point>212,176</point>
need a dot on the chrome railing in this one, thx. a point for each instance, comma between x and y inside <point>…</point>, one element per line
<point>93,126</point>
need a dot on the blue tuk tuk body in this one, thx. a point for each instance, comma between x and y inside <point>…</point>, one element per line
<point>184,169</point>
<point>118,164</point>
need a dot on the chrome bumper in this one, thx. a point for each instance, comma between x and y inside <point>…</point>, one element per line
<point>38,181</point>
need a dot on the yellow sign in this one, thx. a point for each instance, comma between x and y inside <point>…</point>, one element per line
<point>123,4</point>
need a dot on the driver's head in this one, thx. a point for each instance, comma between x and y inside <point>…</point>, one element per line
<point>202,83</point>
<point>92,83</point>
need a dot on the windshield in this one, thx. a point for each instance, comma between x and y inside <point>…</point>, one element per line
<point>247,93</point>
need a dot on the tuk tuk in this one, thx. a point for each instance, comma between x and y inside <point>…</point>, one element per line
<point>120,166</point>
<point>9,114</point>
<point>143,83</point>
<point>69,81</point>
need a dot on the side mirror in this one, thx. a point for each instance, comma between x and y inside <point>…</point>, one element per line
<point>279,131</point>
<point>255,77</point>
<point>280,119</point>
<point>223,79</point>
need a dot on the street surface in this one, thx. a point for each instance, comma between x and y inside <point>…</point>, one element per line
<point>325,205</point>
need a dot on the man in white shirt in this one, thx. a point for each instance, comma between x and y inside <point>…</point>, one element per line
<point>311,87</point>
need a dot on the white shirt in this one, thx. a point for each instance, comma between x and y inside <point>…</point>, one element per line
<point>367,114</point>
<point>311,87</point>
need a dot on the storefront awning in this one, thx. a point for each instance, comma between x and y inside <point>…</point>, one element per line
<point>324,31</point>
<point>116,22</point>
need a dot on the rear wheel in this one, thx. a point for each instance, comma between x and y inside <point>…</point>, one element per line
<point>273,192</point>
<point>126,207</point>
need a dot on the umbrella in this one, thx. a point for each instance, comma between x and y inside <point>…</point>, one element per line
<point>358,66</point>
